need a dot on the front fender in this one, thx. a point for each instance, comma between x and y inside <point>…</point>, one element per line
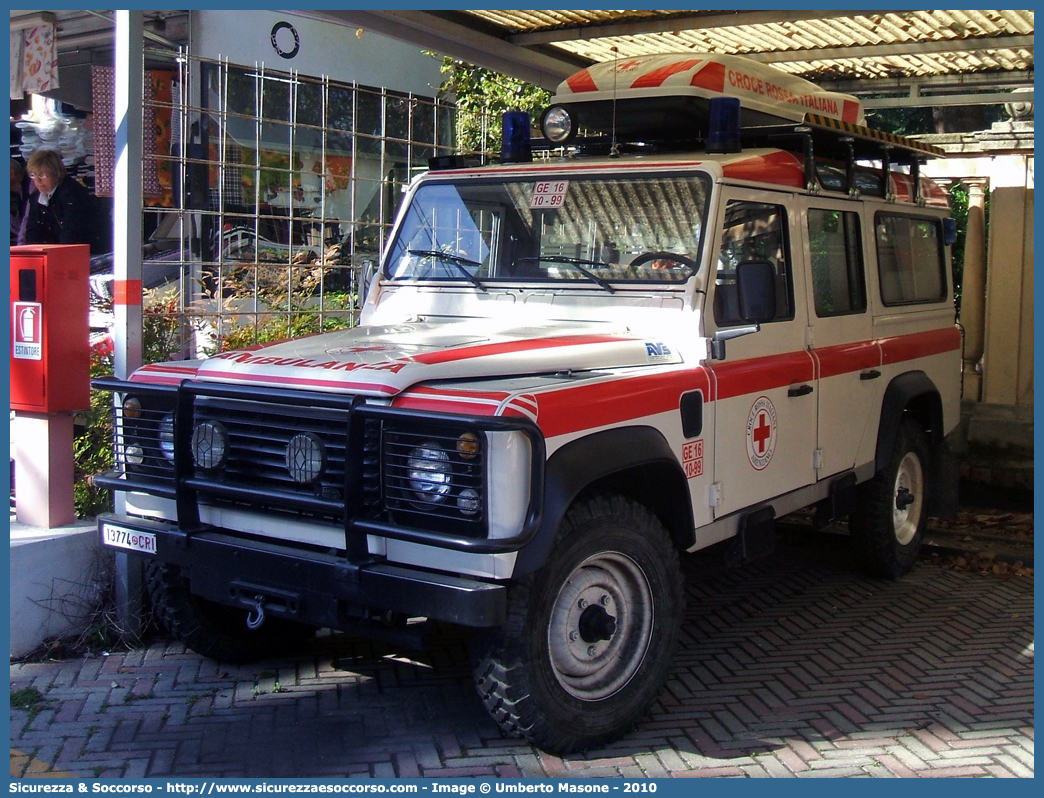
<point>598,458</point>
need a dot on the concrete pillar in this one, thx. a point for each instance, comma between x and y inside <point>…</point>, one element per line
<point>973,289</point>
<point>44,469</point>
<point>1009,339</point>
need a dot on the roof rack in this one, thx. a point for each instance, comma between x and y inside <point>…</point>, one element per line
<point>815,137</point>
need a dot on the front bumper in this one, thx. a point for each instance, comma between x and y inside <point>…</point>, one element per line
<point>312,587</point>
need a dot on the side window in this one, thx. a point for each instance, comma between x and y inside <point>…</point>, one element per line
<point>910,259</point>
<point>838,285</point>
<point>753,231</point>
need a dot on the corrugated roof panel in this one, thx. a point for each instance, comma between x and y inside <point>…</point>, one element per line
<point>962,28</point>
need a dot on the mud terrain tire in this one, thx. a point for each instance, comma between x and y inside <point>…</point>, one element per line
<point>590,638</point>
<point>891,509</point>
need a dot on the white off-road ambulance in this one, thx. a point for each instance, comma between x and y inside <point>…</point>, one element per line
<point>710,298</point>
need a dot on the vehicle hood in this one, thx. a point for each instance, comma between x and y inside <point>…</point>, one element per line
<point>384,361</point>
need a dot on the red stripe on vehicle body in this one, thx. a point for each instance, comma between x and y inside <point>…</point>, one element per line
<point>850,112</point>
<point>163,375</point>
<point>601,404</point>
<point>432,404</point>
<point>846,358</point>
<point>300,382</point>
<point>711,77</point>
<point>444,393</point>
<point>510,347</point>
<point>654,79</point>
<point>581,81</point>
<point>762,374</point>
<point>477,403</point>
<point>780,168</point>
<point>158,379</point>
<point>911,347</point>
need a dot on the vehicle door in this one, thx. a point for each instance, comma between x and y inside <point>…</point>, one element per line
<point>848,359</point>
<point>764,391</point>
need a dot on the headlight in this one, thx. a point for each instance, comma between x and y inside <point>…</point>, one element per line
<point>166,436</point>
<point>209,444</point>
<point>429,471</point>
<point>557,124</point>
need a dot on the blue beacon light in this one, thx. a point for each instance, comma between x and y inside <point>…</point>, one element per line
<point>515,143</point>
<point>724,125</point>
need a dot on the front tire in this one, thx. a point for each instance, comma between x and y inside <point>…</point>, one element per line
<point>212,629</point>
<point>891,509</point>
<point>589,640</point>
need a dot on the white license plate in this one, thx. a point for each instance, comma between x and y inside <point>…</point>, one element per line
<point>130,539</point>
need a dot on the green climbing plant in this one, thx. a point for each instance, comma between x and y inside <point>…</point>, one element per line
<point>481,97</point>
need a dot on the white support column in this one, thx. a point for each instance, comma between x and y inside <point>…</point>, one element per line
<point>127,248</point>
<point>127,240</point>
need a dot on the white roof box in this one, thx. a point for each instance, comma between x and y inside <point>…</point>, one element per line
<point>673,90</point>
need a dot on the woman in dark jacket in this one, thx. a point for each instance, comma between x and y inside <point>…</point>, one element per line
<point>60,209</point>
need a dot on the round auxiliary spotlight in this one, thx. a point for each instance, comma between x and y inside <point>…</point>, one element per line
<point>557,124</point>
<point>209,444</point>
<point>305,457</point>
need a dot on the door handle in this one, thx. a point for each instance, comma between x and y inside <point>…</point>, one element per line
<point>801,390</point>
<point>872,374</point>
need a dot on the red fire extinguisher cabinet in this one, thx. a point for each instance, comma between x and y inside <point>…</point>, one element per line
<point>50,347</point>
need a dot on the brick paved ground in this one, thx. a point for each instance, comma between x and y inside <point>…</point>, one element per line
<point>791,666</point>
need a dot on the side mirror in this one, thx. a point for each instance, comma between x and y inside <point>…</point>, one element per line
<point>756,290</point>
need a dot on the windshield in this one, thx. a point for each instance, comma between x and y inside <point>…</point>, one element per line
<point>594,230</point>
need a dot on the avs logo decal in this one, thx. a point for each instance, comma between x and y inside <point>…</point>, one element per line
<point>657,352</point>
<point>761,433</point>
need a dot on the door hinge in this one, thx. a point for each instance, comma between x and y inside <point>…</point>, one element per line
<point>715,494</point>
<point>810,337</point>
<point>817,459</point>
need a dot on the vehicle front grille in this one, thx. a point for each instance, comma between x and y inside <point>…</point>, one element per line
<point>256,468</point>
<point>144,439</point>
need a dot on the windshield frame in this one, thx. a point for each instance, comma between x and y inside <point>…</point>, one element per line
<point>690,265</point>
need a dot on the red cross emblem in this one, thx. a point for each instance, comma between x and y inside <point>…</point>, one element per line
<point>761,433</point>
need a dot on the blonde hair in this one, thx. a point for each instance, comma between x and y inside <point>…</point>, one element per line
<point>47,161</point>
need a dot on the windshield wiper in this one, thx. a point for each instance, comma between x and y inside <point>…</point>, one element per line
<point>456,261</point>
<point>578,264</point>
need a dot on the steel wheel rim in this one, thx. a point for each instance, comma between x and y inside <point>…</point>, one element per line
<point>591,670</point>
<point>910,478</point>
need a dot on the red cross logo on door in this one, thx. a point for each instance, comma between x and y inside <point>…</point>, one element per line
<point>761,433</point>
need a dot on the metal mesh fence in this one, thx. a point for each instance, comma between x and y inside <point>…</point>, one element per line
<point>272,192</point>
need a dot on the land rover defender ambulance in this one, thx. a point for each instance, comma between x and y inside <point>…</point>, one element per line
<point>713,299</point>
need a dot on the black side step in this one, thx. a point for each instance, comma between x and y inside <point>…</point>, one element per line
<point>756,538</point>
<point>837,505</point>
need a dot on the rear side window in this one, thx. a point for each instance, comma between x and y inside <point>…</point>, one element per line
<point>910,259</point>
<point>838,285</point>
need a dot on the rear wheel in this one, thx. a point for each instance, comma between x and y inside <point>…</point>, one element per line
<point>888,523</point>
<point>214,630</point>
<point>589,639</point>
